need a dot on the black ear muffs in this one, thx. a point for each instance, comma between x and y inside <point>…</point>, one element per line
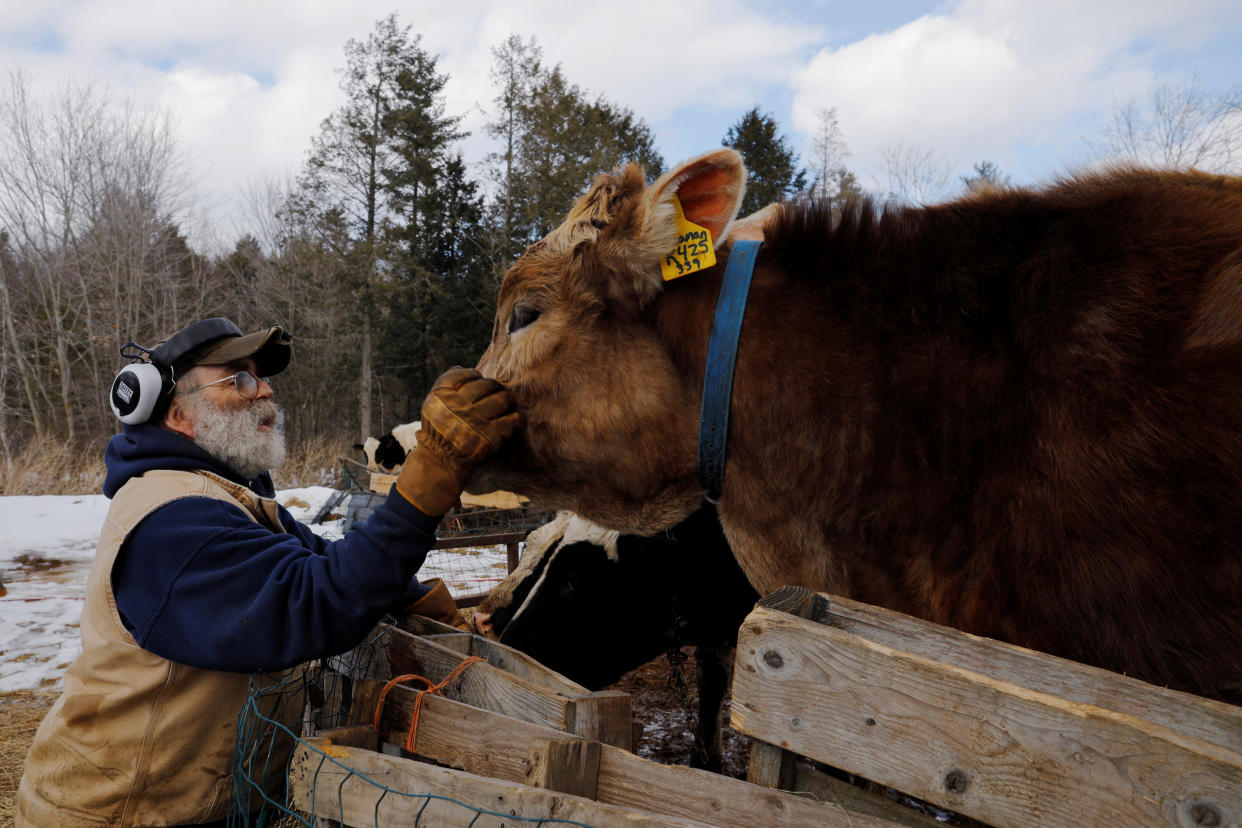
<point>143,388</point>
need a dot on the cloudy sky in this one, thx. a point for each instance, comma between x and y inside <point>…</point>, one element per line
<point>1023,84</point>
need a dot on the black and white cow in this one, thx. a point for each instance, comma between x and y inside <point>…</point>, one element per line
<point>388,453</point>
<point>593,604</point>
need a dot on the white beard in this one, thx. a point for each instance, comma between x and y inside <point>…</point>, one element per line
<point>233,435</point>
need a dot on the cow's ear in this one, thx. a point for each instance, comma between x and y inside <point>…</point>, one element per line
<point>710,189</point>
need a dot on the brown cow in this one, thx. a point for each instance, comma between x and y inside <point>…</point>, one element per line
<point>1018,414</point>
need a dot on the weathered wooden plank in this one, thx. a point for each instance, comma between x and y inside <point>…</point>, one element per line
<point>720,800</point>
<point>825,788</point>
<point>362,706</point>
<point>568,766</point>
<point>503,539</point>
<point>327,780</point>
<point>498,655</point>
<point>520,664</point>
<point>604,715</point>
<point>465,737</point>
<point>489,744</point>
<point>1211,721</point>
<point>770,766</point>
<point>358,736</point>
<point>481,685</point>
<point>967,741</point>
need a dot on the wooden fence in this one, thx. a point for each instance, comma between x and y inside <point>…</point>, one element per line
<point>1001,734</point>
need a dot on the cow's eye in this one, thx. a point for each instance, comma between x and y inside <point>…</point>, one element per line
<point>522,316</point>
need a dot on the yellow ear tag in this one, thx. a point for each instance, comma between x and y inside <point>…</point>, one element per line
<point>694,250</point>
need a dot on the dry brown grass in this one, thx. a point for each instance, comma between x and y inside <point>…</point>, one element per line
<point>20,714</point>
<point>57,468</point>
<point>53,467</point>
<point>314,461</point>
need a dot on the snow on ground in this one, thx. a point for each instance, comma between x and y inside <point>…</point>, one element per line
<point>46,547</point>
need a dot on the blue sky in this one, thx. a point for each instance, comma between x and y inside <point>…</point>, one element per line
<point>1023,84</point>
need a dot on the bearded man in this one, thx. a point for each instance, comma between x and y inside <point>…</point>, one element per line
<point>202,579</point>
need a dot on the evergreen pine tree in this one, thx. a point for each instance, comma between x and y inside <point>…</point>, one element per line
<point>986,174</point>
<point>772,172</point>
<point>345,173</point>
<point>556,139</point>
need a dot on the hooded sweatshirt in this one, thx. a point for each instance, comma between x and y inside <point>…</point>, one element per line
<point>201,583</point>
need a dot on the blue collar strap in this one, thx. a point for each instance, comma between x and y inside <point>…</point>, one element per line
<point>721,356</point>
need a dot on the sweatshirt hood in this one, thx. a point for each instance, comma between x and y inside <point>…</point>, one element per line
<point>143,448</point>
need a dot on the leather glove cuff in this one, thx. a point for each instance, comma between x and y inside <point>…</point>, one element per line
<point>438,605</point>
<point>430,483</point>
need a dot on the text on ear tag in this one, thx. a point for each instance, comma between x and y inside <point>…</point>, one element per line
<point>694,249</point>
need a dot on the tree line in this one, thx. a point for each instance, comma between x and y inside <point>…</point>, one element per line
<point>383,256</point>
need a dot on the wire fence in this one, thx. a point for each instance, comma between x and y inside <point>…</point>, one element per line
<point>476,548</point>
<point>282,712</point>
<point>468,569</point>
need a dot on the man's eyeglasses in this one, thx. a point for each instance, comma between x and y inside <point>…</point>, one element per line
<point>247,384</point>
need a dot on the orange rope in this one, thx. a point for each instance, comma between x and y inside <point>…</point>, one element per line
<point>418,700</point>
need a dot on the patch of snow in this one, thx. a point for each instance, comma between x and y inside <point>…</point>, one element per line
<point>47,544</point>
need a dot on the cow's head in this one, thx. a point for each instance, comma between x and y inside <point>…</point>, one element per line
<point>389,454</point>
<point>592,604</point>
<point>611,423</point>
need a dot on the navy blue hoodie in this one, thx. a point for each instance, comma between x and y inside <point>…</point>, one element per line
<point>199,582</point>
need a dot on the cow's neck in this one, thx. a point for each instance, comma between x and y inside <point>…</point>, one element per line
<point>718,371</point>
<point>790,432</point>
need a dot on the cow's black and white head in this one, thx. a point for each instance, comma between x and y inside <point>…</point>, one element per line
<point>592,604</point>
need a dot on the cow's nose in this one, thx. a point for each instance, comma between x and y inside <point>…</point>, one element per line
<point>486,363</point>
<point>483,623</point>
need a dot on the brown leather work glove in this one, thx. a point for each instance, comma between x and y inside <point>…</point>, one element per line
<point>438,605</point>
<point>465,418</point>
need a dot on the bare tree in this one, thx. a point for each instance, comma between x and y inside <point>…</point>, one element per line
<point>1180,125</point>
<point>915,175</point>
<point>828,154</point>
<point>88,192</point>
<point>347,167</point>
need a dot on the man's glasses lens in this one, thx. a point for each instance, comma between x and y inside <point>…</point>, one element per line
<point>247,385</point>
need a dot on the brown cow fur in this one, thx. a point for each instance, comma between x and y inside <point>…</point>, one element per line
<point>1019,413</point>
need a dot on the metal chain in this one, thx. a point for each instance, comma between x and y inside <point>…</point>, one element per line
<point>677,683</point>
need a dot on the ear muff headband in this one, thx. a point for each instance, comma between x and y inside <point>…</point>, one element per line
<point>142,388</point>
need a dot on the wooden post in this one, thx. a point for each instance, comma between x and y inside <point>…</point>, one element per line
<point>770,765</point>
<point>568,766</point>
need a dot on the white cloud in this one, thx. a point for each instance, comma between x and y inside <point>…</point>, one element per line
<point>985,77</point>
<point>249,82</point>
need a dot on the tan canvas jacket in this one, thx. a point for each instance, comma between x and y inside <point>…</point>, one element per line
<point>136,739</point>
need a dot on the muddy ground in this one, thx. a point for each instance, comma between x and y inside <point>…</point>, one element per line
<point>663,710</point>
